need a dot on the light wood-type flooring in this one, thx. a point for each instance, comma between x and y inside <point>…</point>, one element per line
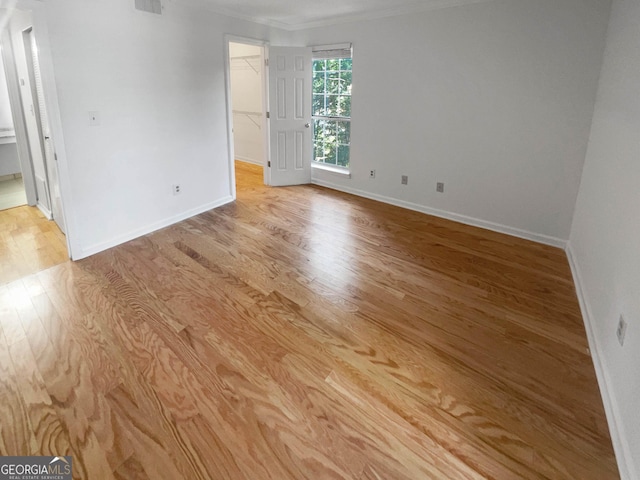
<point>29,243</point>
<point>12,192</point>
<point>302,333</point>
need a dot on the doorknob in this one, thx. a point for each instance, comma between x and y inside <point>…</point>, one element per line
<point>307,125</point>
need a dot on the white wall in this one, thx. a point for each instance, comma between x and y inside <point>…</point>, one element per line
<point>247,93</point>
<point>5,109</point>
<point>494,99</point>
<point>9,161</point>
<point>159,87</point>
<point>604,243</point>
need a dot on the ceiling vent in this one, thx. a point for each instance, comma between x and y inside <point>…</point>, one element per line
<point>151,6</point>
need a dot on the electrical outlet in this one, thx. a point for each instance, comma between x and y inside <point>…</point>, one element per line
<point>372,174</point>
<point>621,331</point>
<point>176,189</point>
<point>404,180</point>
<point>440,187</point>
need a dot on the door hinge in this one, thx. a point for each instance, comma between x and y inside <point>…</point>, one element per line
<point>269,164</point>
<point>268,115</point>
<point>55,156</point>
<point>266,62</point>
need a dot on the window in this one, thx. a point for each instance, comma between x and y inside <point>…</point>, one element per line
<point>331,108</point>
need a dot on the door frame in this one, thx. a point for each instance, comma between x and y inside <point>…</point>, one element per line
<point>37,12</point>
<point>229,38</point>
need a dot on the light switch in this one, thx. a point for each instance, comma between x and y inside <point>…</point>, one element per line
<point>94,119</point>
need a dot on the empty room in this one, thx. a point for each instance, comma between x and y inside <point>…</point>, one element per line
<point>320,240</point>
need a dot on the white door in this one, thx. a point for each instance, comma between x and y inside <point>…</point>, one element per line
<point>47,144</point>
<point>290,129</point>
<point>24,65</point>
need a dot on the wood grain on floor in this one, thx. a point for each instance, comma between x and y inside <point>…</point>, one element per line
<point>301,333</point>
<point>28,243</point>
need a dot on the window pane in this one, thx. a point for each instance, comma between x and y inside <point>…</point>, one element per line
<point>345,83</point>
<point>333,64</point>
<point>325,141</point>
<point>318,154</point>
<point>343,156</point>
<point>318,65</point>
<point>332,105</point>
<point>330,142</point>
<point>344,133</point>
<point>318,82</point>
<point>346,64</point>
<point>344,106</point>
<point>330,156</point>
<point>318,140</point>
<point>330,133</point>
<point>318,105</point>
<point>333,82</point>
<point>329,152</point>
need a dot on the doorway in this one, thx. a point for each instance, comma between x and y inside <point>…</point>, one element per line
<point>247,105</point>
<point>29,116</point>
<point>33,226</point>
<point>12,190</point>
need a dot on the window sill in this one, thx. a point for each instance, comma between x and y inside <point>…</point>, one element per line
<point>343,172</point>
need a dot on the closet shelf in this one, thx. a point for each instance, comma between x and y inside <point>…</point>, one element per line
<point>250,116</point>
<point>246,59</point>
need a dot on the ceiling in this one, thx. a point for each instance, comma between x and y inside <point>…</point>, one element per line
<point>297,14</point>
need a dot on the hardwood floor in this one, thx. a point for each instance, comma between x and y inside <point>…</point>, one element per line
<point>301,333</point>
<point>28,243</point>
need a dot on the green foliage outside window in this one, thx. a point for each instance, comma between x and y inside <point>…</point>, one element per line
<point>332,98</point>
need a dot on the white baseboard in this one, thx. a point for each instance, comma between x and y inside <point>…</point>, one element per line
<point>120,239</point>
<point>45,211</point>
<point>621,447</point>
<point>249,160</point>
<point>496,227</point>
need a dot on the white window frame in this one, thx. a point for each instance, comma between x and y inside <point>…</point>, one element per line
<point>327,52</point>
